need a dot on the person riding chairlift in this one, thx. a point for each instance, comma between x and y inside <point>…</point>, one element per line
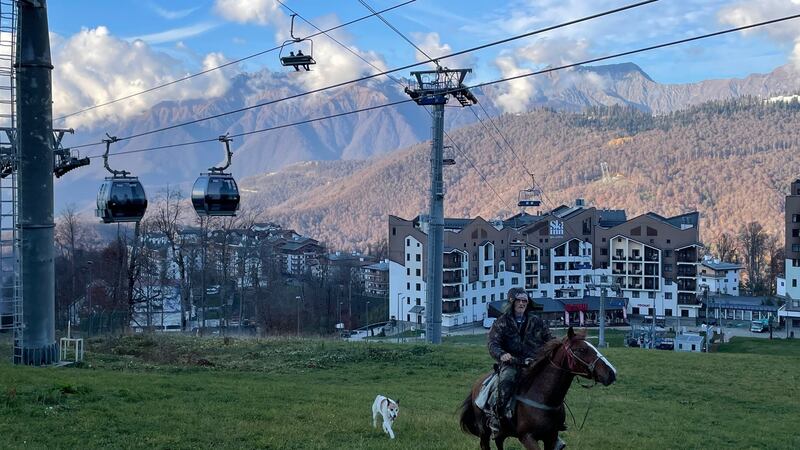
<point>296,68</point>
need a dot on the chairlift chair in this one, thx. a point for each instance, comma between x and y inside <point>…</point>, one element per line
<point>299,59</point>
<point>121,197</point>
<point>531,196</point>
<point>215,193</point>
<point>448,161</point>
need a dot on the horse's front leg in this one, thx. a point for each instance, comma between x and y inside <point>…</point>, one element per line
<point>499,442</point>
<point>485,442</point>
<point>530,443</point>
<point>553,443</point>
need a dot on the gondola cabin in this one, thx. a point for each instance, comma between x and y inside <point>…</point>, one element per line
<point>215,194</point>
<point>121,199</point>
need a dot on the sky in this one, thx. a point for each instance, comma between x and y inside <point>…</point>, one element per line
<point>105,50</point>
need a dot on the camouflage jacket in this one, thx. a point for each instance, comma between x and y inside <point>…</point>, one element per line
<point>521,342</point>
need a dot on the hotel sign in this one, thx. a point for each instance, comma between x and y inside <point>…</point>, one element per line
<point>556,228</point>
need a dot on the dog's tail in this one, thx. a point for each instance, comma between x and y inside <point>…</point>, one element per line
<point>468,422</point>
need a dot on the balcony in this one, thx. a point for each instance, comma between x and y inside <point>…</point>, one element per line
<point>451,278</point>
<point>451,307</point>
<point>451,292</point>
<point>686,272</point>
<point>651,283</point>
<point>688,299</point>
<point>619,272</point>
<point>451,261</point>
<point>687,285</point>
<point>635,257</point>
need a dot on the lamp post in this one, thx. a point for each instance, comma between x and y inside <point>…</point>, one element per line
<point>366,319</point>
<point>399,300</point>
<point>299,300</point>
<point>89,299</point>
<point>704,287</point>
<point>604,285</point>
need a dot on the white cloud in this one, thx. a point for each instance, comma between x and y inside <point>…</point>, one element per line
<point>261,12</point>
<point>745,13</point>
<point>176,34</point>
<point>93,67</point>
<point>431,44</point>
<point>517,93</point>
<point>170,14</point>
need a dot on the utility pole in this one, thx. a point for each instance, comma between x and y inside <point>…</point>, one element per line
<point>36,161</point>
<point>434,88</point>
<point>299,300</point>
<point>603,284</point>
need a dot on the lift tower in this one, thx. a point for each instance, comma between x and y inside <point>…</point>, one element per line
<point>434,88</point>
<point>36,162</point>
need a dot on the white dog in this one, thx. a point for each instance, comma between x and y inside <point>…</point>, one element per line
<point>387,409</point>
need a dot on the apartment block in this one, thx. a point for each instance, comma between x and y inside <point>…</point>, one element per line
<point>558,255</point>
<point>790,311</point>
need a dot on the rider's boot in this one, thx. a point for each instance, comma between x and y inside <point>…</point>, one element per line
<point>494,423</point>
<point>560,445</point>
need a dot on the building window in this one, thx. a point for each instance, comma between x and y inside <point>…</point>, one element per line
<point>669,241</point>
<point>635,294</point>
<point>684,313</point>
<point>394,231</point>
<point>796,247</point>
<point>408,300</point>
<point>502,281</point>
<point>419,272</point>
<point>419,287</point>
<point>795,218</point>
<point>651,295</point>
<point>796,232</point>
<point>649,311</point>
<point>492,283</point>
<point>419,257</point>
<point>514,280</point>
<point>667,253</point>
<point>492,297</point>
<point>408,286</point>
<point>667,267</point>
<point>408,256</point>
<point>794,282</point>
<point>603,251</point>
<point>474,300</point>
<point>408,272</point>
<point>693,347</point>
<point>419,302</point>
<point>667,295</point>
<point>668,312</point>
<point>408,242</point>
<point>483,299</point>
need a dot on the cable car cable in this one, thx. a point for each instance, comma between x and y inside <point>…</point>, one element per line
<point>366,5</point>
<point>457,147</point>
<point>487,83</point>
<point>367,77</point>
<point>263,52</point>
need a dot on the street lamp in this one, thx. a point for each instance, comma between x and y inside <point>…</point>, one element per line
<point>704,287</point>
<point>604,285</point>
<point>89,298</point>
<point>366,318</point>
<point>397,330</point>
<point>299,300</point>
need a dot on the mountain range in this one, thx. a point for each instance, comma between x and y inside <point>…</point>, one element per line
<point>371,144</point>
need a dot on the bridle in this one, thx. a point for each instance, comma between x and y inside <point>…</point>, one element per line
<point>572,358</point>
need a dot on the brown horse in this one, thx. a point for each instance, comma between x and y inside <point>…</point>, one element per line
<point>541,389</point>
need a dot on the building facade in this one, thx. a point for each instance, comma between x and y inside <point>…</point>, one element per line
<point>720,277</point>
<point>790,311</point>
<point>653,260</point>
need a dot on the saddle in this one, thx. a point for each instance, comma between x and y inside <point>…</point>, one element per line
<point>487,395</point>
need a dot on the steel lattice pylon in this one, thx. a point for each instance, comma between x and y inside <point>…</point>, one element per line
<point>10,289</point>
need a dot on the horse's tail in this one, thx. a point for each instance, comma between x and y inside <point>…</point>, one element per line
<point>468,420</point>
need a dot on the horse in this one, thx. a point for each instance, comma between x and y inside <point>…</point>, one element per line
<point>541,388</point>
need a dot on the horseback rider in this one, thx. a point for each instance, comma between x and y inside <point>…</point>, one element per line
<point>516,335</point>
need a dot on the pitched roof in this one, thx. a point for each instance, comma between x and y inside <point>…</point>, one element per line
<point>722,265</point>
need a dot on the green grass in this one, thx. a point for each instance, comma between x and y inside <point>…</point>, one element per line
<point>143,392</point>
<point>762,346</point>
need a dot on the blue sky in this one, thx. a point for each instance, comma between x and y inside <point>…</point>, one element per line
<point>108,49</point>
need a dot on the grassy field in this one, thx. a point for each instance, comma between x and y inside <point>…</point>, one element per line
<point>164,392</point>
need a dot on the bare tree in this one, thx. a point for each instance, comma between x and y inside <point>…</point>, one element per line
<point>167,218</point>
<point>724,248</point>
<point>754,241</point>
